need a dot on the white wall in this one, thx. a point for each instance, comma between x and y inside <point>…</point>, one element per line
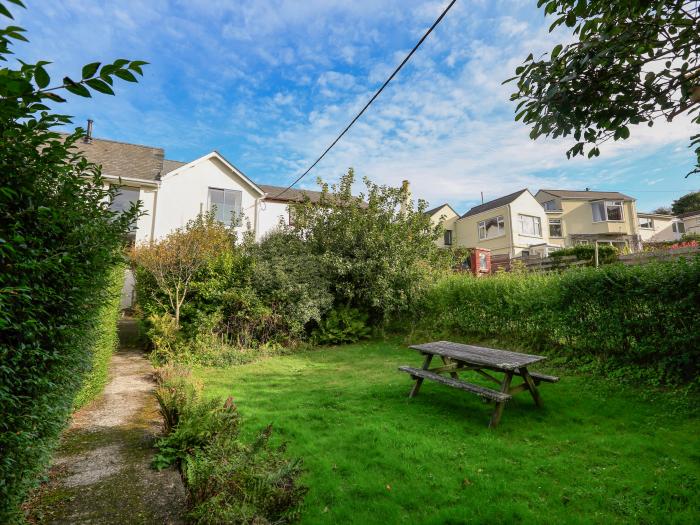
<point>145,222</point>
<point>269,217</point>
<point>185,193</point>
<point>692,224</point>
<point>526,204</point>
<point>662,229</point>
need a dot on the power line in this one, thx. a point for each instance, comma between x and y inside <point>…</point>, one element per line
<point>415,48</point>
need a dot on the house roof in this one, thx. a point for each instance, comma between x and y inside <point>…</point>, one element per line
<point>588,195</point>
<point>688,214</point>
<point>496,203</point>
<point>171,165</point>
<point>121,159</point>
<point>437,208</point>
<point>657,215</point>
<point>290,195</point>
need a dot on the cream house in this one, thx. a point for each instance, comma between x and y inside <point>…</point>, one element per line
<point>583,217</point>
<point>511,225</point>
<point>172,193</point>
<point>691,221</point>
<point>446,216</point>
<point>657,227</point>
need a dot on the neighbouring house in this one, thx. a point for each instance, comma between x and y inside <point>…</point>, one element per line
<point>584,217</point>
<point>657,227</point>
<point>512,225</point>
<point>691,221</point>
<point>446,216</point>
<point>173,192</point>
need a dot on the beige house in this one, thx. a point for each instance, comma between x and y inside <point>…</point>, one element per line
<point>584,217</point>
<point>513,225</point>
<point>691,221</point>
<point>657,227</point>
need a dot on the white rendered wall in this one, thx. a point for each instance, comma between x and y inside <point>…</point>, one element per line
<point>269,217</point>
<point>185,193</point>
<point>145,221</point>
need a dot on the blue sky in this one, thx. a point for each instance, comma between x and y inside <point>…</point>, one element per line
<point>270,83</point>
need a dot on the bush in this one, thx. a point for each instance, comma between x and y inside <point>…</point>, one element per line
<point>342,325</point>
<point>105,340</point>
<point>58,243</point>
<point>632,320</point>
<point>586,252</point>
<point>228,481</point>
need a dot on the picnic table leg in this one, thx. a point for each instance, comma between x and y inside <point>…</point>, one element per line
<point>531,386</point>
<point>447,361</point>
<point>498,411</point>
<point>419,380</point>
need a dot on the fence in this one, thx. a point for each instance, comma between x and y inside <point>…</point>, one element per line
<point>536,264</point>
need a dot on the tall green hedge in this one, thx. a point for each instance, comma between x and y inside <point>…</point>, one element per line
<point>105,340</point>
<point>639,320</point>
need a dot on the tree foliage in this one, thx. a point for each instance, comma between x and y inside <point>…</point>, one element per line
<point>58,243</point>
<point>686,203</point>
<point>633,62</point>
<point>378,251</point>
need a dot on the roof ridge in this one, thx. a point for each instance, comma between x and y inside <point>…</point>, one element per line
<point>121,142</point>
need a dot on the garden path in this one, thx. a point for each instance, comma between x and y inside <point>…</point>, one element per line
<point>101,472</point>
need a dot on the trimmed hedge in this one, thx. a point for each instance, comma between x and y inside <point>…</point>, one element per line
<point>105,339</point>
<point>642,321</point>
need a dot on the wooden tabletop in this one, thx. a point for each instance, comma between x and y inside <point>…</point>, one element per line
<point>479,355</point>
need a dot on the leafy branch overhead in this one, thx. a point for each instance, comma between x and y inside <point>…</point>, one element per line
<point>633,62</point>
<point>30,83</point>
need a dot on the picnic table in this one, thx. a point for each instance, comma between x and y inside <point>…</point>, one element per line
<point>458,358</point>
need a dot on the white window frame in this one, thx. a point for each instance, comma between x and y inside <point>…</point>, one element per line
<point>561,228</point>
<point>646,220</point>
<point>550,205</point>
<point>536,225</point>
<point>448,233</point>
<point>500,228</point>
<point>211,204</point>
<point>678,227</point>
<point>606,205</point>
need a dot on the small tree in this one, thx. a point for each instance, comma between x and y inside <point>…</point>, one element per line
<point>633,62</point>
<point>174,261</point>
<point>686,203</point>
<point>377,249</point>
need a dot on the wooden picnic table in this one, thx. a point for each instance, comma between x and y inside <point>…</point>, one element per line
<point>458,358</point>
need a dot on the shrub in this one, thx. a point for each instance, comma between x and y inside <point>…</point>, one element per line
<point>377,250</point>
<point>586,252</point>
<point>58,242</point>
<point>636,320</point>
<point>105,340</point>
<point>228,480</point>
<point>342,325</point>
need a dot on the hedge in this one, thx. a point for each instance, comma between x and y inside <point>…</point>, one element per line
<point>640,321</point>
<point>105,340</point>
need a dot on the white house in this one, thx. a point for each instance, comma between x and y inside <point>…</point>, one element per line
<point>656,227</point>
<point>173,192</point>
<point>691,221</point>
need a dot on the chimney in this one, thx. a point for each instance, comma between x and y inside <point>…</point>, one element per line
<point>406,190</point>
<point>88,133</point>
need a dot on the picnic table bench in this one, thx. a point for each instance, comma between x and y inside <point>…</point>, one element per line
<point>458,358</point>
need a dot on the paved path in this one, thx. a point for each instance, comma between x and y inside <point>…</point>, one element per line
<point>101,473</point>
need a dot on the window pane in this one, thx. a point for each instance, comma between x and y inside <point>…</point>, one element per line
<point>598,211</point>
<point>492,227</point>
<point>448,237</point>
<point>555,228</point>
<point>614,210</point>
<point>123,201</point>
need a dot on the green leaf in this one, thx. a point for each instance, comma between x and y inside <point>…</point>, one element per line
<point>53,96</point>
<point>100,85</point>
<point>557,49</point>
<point>75,88</point>
<point>41,77</point>
<point>89,70</point>
<point>125,75</point>
<point>4,11</point>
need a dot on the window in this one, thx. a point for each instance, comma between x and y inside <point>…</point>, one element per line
<point>491,228</point>
<point>607,211</point>
<point>530,225</point>
<point>678,227</point>
<point>448,238</point>
<point>226,204</point>
<point>550,205</point>
<point>555,228</point>
<point>646,223</point>
<point>525,253</point>
<point>123,200</point>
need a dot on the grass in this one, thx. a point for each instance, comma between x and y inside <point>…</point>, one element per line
<point>597,452</point>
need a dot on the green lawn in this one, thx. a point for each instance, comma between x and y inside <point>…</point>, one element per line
<point>596,453</point>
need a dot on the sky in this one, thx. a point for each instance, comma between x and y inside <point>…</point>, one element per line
<point>270,83</point>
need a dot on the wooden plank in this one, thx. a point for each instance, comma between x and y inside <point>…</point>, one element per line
<point>477,355</point>
<point>531,386</point>
<point>456,383</point>
<point>487,376</point>
<point>419,380</point>
<point>498,411</point>
<point>449,364</point>
<point>541,378</point>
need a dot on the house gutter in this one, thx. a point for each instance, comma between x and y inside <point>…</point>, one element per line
<point>511,241</point>
<point>141,182</point>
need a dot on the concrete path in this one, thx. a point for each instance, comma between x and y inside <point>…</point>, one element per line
<point>101,473</point>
